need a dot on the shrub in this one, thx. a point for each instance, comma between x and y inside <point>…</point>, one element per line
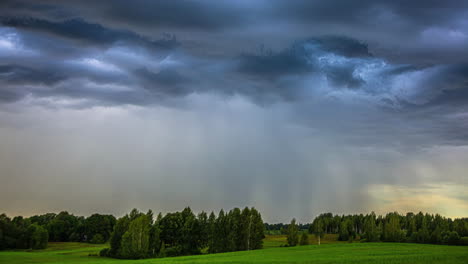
<point>97,239</point>
<point>304,239</point>
<point>450,238</point>
<point>463,241</point>
<point>104,252</point>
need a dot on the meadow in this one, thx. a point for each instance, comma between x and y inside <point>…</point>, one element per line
<point>329,252</point>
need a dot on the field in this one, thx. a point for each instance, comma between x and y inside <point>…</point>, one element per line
<point>362,253</point>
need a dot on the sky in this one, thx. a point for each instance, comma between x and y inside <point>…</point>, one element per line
<point>294,107</point>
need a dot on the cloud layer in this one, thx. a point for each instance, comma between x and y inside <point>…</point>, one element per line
<point>239,99</point>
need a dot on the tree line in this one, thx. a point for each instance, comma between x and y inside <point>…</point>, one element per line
<point>393,227</point>
<point>36,231</point>
<point>141,235</point>
<point>138,235</point>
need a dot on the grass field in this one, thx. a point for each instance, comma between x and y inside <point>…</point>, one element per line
<point>362,253</point>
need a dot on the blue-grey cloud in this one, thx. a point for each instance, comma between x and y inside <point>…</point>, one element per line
<point>80,30</point>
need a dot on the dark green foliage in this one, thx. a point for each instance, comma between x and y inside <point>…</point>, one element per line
<point>62,227</point>
<point>256,231</point>
<point>135,241</point>
<point>392,230</point>
<point>416,228</point>
<point>450,238</point>
<point>104,252</point>
<point>39,237</point>
<point>211,233</point>
<point>347,231</point>
<point>182,233</point>
<point>97,239</point>
<point>116,238</point>
<point>20,233</point>
<point>101,225</point>
<point>293,233</point>
<point>318,228</point>
<point>371,233</point>
<point>304,239</point>
<point>155,242</point>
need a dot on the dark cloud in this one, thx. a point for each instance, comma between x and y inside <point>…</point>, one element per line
<point>78,29</point>
<point>184,14</point>
<point>269,63</point>
<point>324,66</point>
<point>309,57</point>
<point>365,12</point>
<point>15,74</point>
<point>167,81</point>
<point>205,15</point>
<point>449,86</point>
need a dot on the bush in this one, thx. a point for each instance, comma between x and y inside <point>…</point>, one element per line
<point>304,239</point>
<point>464,241</point>
<point>173,251</point>
<point>104,252</point>
<point>97,239</point>
<point>450,238</point>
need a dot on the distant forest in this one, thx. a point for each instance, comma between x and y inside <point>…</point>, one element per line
<point>393,227</point>
<point>140,235</point>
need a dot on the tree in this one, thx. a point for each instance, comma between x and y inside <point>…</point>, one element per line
<point>343,233</point>
<point>304,239</point>
<point>62,227</point>
<point>203,229</point>
<point>235,234</point>
<point>318,229</point>
<point>221,233</point>
<point>257,230</point>
<point>293,233</point>
<point>39,237</point>
<point>116,238</point>
<point>135,242</point>
<point>422,235</point>
<point>155,242</point>
<point>212,233</point>
<point>392,231</point>
<point>370,229</point>
<point>245,226</point>
<point>190,233</point>
<point>99,224</point>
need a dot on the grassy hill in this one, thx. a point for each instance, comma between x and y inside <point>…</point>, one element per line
<point>362,253</point>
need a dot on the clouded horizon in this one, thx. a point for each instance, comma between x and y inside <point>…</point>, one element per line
<point>293,107</point>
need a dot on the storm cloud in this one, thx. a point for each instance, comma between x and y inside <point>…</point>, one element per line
<point>230,103</point>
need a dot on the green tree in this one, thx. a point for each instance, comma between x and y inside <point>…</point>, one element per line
<point>135,242</point>
<point>257,230</point>
<point>293,233</point>
<point>392,231</point>
<point>155,241</point>
<point>245,227</point>
<point>318,228</point>
<point>370,228</point>
<point>39,237</point>
<point>116,238</point>
<point>212,233</point>
<point>99,224</point>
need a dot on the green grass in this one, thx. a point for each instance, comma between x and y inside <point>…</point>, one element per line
<point>359,253</point>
